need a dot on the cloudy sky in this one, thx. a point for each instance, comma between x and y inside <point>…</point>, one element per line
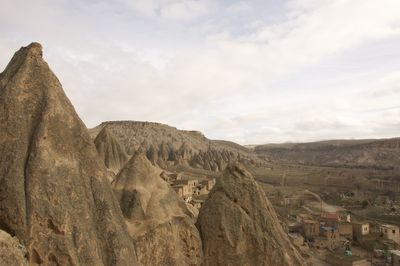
<point>249,71</point>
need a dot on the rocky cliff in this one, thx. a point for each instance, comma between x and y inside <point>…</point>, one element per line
<point>158,219</point>
<point>54,193</point>
<point>110,151</point>
<point>238,225</point>
<point>12,253</point>
<point>168,147</point>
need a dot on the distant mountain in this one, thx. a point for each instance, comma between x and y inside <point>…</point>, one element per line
<point>169,147</point>
<point>366,153</point>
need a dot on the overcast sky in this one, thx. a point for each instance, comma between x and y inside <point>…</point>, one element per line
<point>248,71</point>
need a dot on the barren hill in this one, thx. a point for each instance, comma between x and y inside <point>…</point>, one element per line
<point>373,153</point>
<point>169,147</point>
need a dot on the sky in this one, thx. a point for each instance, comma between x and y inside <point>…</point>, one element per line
<point>253,72</point>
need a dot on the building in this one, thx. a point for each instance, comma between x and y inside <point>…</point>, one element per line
<point>395,257</point>
<point>197,203</point>
<point>182,190</point>
<point>330,238</point>
<point>329,218</point>
<point>310,229</point>
<point>345,230</point>
<point>330,232</point>
<point>360,230</point>
<point>391,232</point>
<point>209,183</point>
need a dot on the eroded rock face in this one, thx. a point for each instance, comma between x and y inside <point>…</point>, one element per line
<point>54,193</point>
<point>110,151</point>
<point>168,147</point>
<point>238,225</point>
<point>12,253</point>
<point>158,219</point>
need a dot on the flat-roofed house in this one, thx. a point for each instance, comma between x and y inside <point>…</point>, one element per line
<point>360,230</point>
<point>391,232</point>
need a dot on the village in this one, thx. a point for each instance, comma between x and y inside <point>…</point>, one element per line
<point>333,235</point>
<point>192,189</point>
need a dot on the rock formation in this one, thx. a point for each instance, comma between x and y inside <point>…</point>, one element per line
<point>12,253</point>
<point>110,151</point>
<point>158,220</point>
<point>238,225</point>
<point>168,147</point>
<point>54,194</point>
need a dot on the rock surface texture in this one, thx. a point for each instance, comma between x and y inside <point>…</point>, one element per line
<point>12,253</point>
<point>168,147</point>
<point>110,151</point>
<point>158,219</point>
<point>238,225</point>
<point>54,193</point>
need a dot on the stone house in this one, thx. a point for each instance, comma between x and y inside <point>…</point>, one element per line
<point>345,230</point>
<point>395,257</point>
<point>329,218</point>
<point>360,230</point>
<point>391,232</point>
<point>182,190</point>
<point>310,229</point>
<point>208,184</point>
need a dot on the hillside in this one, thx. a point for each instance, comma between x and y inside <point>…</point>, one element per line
<point>169,147</point>
<point>372,153</point>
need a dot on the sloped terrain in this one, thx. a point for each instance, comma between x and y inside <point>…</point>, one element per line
<point>110,151</point>
<point>54,193</point>
<point>168,147</point>
<point>238,225</point>
<point>158,219</point>
<point>379,154</point>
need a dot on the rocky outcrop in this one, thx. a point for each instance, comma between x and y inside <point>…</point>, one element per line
<point>168,147</point>
<point>12,253</point>
<point>158,219</point>
<point>110,151</point>
<point>54,193</point>
<point>238,225</point>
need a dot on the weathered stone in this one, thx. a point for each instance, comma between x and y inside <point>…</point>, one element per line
<point>158,219</point>
<point>110,151</point>
<point>12,253</point>
<point>168,147</point>
<point>54,193</point>
<point>238,225</point>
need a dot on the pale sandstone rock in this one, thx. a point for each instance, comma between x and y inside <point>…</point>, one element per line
<point>238,225</point>
<point>54,193</point>
<point>158,219</point>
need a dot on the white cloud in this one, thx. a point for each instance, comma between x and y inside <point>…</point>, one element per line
<point>198,64</point>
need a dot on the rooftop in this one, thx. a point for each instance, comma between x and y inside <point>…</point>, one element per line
<point>391,226</point>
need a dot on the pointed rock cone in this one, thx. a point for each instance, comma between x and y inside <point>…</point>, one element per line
<point>54,195</point>
<point>158,219</point>
<point>238,225</point>
<point>110,150</point>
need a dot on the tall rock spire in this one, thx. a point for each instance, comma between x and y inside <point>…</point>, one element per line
<point>54,193</point>
<point>238,225</point>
